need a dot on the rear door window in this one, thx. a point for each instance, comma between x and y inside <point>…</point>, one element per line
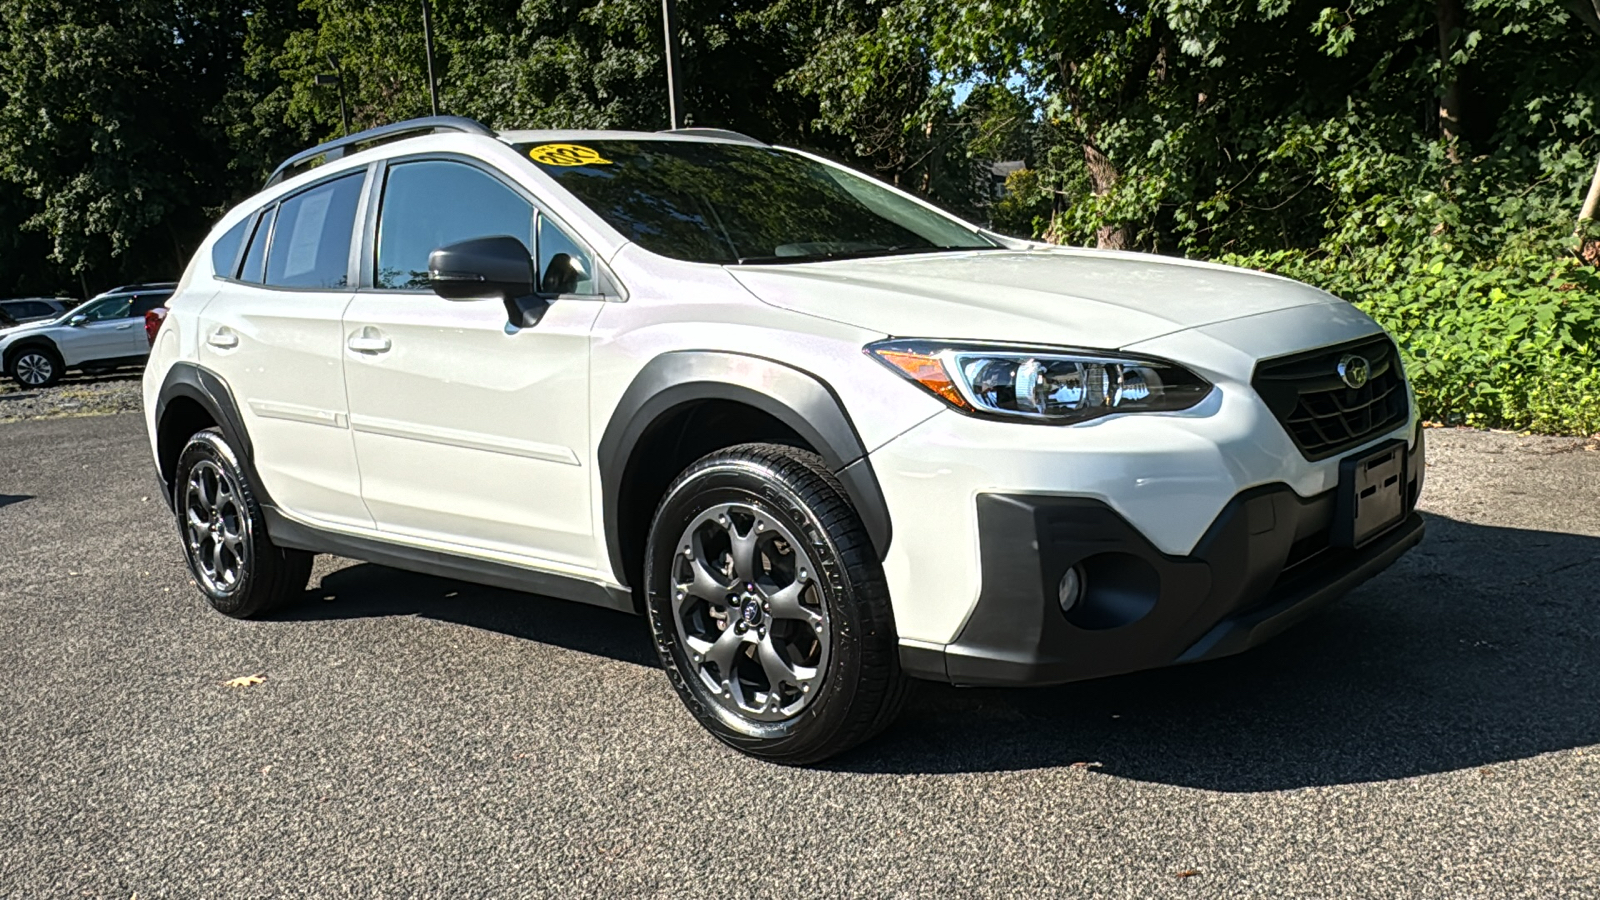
<point>311,238</point>
<point>146,302</point>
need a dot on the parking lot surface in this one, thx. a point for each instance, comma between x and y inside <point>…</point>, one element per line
<point>1436,734</point>
<point>78,394</point>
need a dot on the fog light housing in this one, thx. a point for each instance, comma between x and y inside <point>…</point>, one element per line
<point>1071,589</point>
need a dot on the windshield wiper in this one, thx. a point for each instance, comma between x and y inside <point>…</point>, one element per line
<point>845,254</point>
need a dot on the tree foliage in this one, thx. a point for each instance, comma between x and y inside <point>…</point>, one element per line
<point>1426,160</point>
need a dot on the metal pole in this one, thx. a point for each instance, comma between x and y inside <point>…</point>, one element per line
<point>669,25</point>
<point>427,41</point>
<point>344,111</point>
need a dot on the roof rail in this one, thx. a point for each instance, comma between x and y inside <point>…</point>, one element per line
<point>332,150</point>
<point>723,133</point>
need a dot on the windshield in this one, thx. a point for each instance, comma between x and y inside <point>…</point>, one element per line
<point>738,203</point>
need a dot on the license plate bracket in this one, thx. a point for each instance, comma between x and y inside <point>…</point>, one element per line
<point>1372,494</point>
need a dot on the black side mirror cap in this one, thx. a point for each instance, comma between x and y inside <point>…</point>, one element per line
<point>497,267</point>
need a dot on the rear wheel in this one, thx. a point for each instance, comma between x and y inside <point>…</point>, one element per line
<point>35,367</point>
<point>768,607</point>
<point>233,561</point>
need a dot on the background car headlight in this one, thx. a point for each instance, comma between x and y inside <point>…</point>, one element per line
<point>1041,384</point>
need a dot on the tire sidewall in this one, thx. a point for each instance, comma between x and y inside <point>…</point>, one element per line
<point>721,481</point>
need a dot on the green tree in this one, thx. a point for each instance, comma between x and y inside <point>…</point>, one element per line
<point>111,128</point>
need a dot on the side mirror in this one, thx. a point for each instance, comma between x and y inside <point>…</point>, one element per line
<point>77,320</point>
<point>497,267</point>
<point>562,274</point>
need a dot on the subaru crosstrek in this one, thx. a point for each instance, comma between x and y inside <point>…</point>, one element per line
<point>824,437</point>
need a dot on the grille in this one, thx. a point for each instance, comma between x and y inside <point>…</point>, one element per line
<point>1323,415</point>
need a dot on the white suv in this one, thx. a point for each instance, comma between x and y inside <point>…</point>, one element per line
<point>823,436</point>
<point>100,335</point>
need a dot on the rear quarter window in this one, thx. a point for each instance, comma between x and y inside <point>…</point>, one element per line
<point>225,252</point>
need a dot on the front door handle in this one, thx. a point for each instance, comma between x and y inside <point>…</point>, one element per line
<point>223,339</point>
<point>368,341</point>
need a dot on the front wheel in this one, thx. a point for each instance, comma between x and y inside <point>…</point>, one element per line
<point>769,609</point>
<point>35,367</point>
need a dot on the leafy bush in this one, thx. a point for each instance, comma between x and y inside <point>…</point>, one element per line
<point>1509,341</point>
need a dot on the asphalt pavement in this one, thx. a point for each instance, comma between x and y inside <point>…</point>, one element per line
<point>1436,734</point>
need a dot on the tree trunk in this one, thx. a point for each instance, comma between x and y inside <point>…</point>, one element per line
<point>1591,203</point>
<point>1451,19</point>
<point>1102,178</point>
<point>1587,11</point>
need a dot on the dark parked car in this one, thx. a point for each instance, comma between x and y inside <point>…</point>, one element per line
<point>34,309</point>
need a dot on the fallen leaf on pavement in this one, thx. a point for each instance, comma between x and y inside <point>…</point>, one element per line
<point>1188,873</point>
<point>245,680</point>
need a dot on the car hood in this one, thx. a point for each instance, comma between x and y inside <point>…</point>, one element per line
<point>1056,295</point>
<point>16,331</point>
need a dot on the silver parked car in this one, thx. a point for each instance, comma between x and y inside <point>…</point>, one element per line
<point>100,335</point>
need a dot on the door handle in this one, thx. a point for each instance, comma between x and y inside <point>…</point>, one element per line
<point>125,327</point>
<point>223,339</point>
<point>368,342</point>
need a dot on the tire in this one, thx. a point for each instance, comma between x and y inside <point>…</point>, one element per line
<point>233,561</point>
<point>35,367</point>
<point>814,618</point>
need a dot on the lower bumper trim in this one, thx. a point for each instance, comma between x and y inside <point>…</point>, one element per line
<point>1241,632</point>
<point>1268,561</point>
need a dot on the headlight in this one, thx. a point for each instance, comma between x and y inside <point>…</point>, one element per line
<point>1041,384</point>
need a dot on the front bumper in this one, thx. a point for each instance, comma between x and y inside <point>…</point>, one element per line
<point>1266,562</point>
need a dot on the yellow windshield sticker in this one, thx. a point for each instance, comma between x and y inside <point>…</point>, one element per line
<point>567,155</point>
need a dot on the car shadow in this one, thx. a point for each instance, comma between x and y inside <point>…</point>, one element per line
<point>1481,646</point>
<point>125,373</point>
<point>10,390</point>
<point>8,499</point>
<point>366,590</point>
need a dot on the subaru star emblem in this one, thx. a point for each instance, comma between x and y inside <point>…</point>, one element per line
<point>751,611</point>
<point>1354,370</point>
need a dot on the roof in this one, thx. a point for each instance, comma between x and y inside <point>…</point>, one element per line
<point>434,124</point>
<point>700,135</point>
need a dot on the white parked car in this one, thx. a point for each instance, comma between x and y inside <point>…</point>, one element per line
<point>825,437</point>
<point>100,335</point>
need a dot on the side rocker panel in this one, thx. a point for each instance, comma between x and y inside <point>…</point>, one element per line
<point>794,397</point>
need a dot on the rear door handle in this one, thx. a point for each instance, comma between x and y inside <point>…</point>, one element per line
<point>223,339</point>
<point>368,341</point>
<point>125,327</point>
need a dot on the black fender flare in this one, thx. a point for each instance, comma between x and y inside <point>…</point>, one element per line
<point>206,388</point>
<point>797,398</point>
